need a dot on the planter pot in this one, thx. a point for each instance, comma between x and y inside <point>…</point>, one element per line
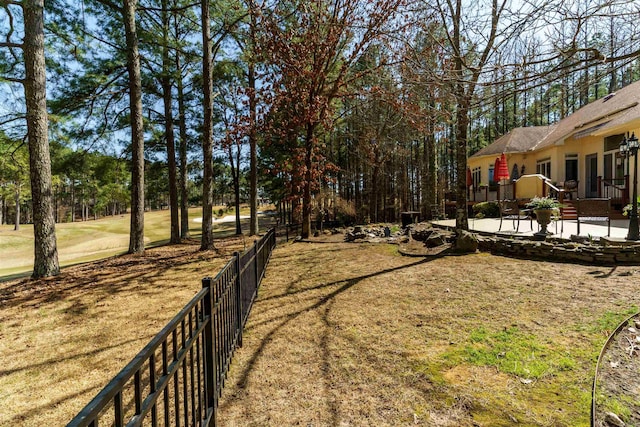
<point>543,216</point>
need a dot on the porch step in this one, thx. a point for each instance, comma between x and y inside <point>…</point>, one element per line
<point>568,210</point>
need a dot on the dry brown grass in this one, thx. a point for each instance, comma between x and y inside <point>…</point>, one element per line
<point>342,334</point>
<point>349,334</point>
<point>63,339</point>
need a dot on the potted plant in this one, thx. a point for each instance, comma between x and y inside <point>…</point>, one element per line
<point>543,207</point>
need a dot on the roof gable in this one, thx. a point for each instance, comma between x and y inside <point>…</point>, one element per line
<point>609,112</point>
<point>605,113</point>
<point>517,140</point>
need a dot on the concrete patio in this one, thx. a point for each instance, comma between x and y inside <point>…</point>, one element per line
<point>564,229</point>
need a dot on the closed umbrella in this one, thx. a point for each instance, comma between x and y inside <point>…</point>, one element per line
<point>515,172</point>
<point>502,171</point>
<point>469,178</point>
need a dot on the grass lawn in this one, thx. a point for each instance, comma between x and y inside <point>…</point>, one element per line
<point>353,334</point>
<point>91,240</point>
<point>63,339</point>
<point>342,334</point>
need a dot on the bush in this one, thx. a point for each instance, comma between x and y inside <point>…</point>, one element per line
<point>486,210</point>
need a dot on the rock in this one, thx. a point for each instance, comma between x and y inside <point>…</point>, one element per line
<point>578,239</point>
<point>466,242</point>
<point>420,231</point>
<point>612,419</point>
<point>435,239</point>
<point>350,237</point>
<point>403,239</point>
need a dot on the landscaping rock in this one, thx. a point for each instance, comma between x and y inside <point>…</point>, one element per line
<point>466,242</point>
<point>420,231</point>
<point>435,239</point>
<point>351,236</point>
<point>613,420</point>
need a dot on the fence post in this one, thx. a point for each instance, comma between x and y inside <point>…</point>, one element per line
<point>256,273</point>
<point>239,316</point>
<point>209,352</point>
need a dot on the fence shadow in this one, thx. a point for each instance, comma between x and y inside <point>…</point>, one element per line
<point>323,304</point>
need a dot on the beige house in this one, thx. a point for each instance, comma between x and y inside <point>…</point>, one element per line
<point>582,147</point>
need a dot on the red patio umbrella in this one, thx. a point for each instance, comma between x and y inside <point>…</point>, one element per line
<point>501,169</point>
<point>469,178</point>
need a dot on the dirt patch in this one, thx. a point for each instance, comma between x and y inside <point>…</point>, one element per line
<point>618,387</point>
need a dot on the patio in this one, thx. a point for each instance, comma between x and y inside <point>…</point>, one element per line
<point>619,228</point>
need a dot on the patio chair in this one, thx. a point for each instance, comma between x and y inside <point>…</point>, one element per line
<point>510,210</point>
<point>570,187</point>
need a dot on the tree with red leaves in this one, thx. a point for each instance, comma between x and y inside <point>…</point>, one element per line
<point>311,48</point>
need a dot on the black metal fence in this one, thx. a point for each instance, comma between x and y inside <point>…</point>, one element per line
<point>177,378</point>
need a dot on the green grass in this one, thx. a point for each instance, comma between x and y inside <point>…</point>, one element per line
<point>619,405</point>
<point>511,351</point>
<point>85,241</point>
<point>608,321</point>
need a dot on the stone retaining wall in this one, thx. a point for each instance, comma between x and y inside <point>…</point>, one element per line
<point>557,251</point>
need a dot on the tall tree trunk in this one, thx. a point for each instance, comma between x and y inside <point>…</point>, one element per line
<point>73,200</point>
<point>207,133</point>
<point>308,176</point>
<point>235,173</point>
<point>16,223</point>
<point>136,232</point>
<point>253,155</point>
<point>45,245</point>
<point>373,202</point>
<point>462,122</point>
<point>253,143</point>
<point>168,121</point>
<point>184,194</point>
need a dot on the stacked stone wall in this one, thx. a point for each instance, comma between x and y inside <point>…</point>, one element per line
<point>601,253</point>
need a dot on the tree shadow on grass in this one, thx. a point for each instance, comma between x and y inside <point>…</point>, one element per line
<point>105,278</point>
<point>36,411</point>
<point>326,302</point>
<point>66,358</point>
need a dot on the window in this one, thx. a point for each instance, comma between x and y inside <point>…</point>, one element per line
<point>612,143</point>
<point>613,162</point>
<point>543,167</point>
<point>491,173</point>
<point>571,167</point>
<point>477,176</point>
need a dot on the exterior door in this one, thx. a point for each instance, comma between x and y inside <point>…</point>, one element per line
<point>591,184</point>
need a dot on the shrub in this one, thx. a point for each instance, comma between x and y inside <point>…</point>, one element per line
<point>486,210</point>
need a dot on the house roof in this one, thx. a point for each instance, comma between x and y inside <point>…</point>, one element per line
<point>607,113</point>
<point>517,140</point>
<point>599,117</point>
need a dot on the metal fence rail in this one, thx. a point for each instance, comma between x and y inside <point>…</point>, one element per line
<point>177,379</point>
